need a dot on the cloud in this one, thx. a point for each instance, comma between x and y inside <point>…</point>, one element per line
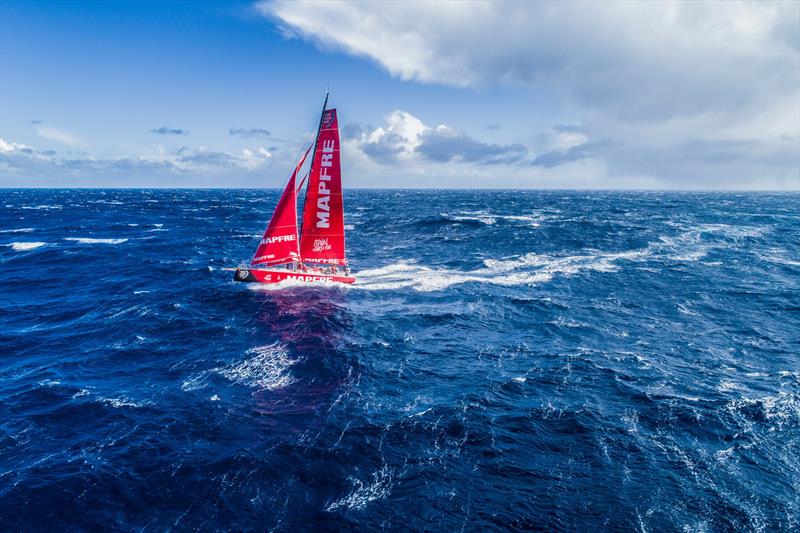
<point>657,89</point>
<point>444,144</point>
<point>163,130</point>
<point>249,133</point>
<point>652,59</point>
<point>555,158</point>
<point>36,121</point>
<point>21,160</point>
<point>406,138</point>
<point>54,134</point>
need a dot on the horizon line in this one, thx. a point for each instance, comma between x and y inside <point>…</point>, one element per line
<point>487,189</point>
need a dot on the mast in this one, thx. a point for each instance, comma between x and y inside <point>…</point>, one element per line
<point>314,151</point>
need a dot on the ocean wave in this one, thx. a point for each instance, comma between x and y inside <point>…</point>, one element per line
<point>533,269</point>
<point>20,230</point>
<point>122,402</point>
<point>781,409</point>
<point>364,493</point>
<point>529,269</point>
<point>777,256</point>
<point>25,246</point>
<point>268,368</point>
<point>489,219</point>
<point>90,240</point>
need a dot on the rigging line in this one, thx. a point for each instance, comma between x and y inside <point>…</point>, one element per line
<point>303,181</point>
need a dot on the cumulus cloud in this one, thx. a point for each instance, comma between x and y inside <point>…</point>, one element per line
<point>406,138</point>
<point>163,130</point>
<point>249,133</point>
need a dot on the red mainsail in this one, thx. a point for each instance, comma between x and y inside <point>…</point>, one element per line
<point>279,243</point>
<point>322,240</point>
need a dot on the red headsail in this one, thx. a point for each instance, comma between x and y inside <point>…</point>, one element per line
<point>322,240</point>
<point>279,243</point>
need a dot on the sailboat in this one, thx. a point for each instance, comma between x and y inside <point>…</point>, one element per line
<point>314,253</point>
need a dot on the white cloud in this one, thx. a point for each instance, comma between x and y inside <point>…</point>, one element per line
<point>641,60</point>
<point>660,87</point>
<point>11,148</point>
<point>21,160</point>
<point>406,139</point>
<point>54,134</point>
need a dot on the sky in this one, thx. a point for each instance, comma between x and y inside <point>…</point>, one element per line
<point>606,95</point>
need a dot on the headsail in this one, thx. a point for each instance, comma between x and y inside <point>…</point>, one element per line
<point>322,239</point>
<point>279,243</point>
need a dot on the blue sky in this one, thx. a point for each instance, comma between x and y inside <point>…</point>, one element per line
<point>485,94</point>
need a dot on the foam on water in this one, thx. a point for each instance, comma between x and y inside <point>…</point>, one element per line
<point>25,246</point>
<point>91,240</point>
<point>268,367</point>
<point>378,487</point>
<point>530,269</point>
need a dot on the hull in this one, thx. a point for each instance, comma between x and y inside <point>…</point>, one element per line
<point>276,276</point>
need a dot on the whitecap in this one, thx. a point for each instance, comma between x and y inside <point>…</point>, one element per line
<point>268,368</point>
<point>780,409</point>
<point>89,240</point>
<point>121,402</point>
<point>364,493</point>
<point>19,230</point>
<point>471,216</point>
<point>25,246</point>
<point>529,269</point>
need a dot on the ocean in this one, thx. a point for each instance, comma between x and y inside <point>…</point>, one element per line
<point>507,360</point>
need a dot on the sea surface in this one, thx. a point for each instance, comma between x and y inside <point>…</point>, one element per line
<point>507,360</point>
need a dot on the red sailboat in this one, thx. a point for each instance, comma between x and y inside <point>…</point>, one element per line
<point>316,252</point>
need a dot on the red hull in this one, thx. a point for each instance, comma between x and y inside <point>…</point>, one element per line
<point>276,276</point>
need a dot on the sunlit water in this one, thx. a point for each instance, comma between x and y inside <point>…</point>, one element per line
<point>544,360</point>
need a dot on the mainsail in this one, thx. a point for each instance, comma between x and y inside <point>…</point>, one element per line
<point>322,239</point>
<point>279,243</point>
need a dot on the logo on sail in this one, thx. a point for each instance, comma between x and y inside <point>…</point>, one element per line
<point>278,238</point>
<point>321,245</point>
<point>324,190</point>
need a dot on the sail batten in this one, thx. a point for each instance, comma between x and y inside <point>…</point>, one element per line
<point>322,239</point>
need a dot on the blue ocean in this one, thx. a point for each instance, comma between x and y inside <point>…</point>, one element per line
<point>507,360</point>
